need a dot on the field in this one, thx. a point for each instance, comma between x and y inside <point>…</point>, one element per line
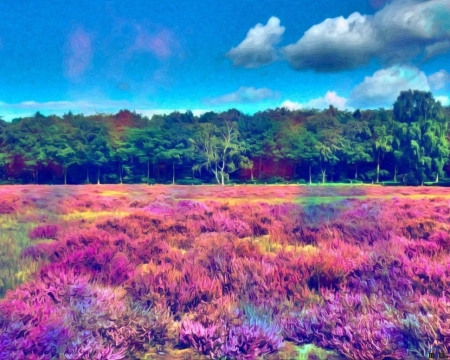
<point>241,272</point>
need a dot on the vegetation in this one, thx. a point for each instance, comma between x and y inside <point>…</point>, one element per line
<point>136,272</point>
<point>409,143</point>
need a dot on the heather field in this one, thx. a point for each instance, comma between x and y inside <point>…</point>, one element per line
<point>237,272</point>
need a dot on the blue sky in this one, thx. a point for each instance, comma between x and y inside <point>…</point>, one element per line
<point>156,56</point>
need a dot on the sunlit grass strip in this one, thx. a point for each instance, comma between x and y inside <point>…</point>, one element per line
<point>92,214</point>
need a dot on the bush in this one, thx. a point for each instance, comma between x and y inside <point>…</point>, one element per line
<point>275,180</point>
<point>188,181</point>
<point>44,232</point>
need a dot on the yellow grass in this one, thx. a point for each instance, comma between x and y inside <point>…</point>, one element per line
<point>112,193</point>
<point>92,214</point>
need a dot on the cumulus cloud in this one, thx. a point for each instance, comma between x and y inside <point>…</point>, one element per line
<point>335,44</point>
<point>397,33</point>
<point>330,98</point>
<point>439,79</point>
<point>258,48</point>
<point>78,53</point>
<point>244,95</point>
<point>383,87</point>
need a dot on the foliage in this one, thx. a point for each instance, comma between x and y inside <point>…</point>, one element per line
<point>410,140</point>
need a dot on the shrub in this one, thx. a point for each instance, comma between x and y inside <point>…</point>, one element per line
<point>44,232</point>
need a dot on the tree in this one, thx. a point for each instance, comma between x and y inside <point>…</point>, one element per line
<point>421,130</point>
<point>143,144</point>
<point>99,151</point>
<point>357,146</point>
<point>257,133</point>
<point>327,147</point>
<point>220,147</point>
<point>328,140</point>
<point>382,144</point>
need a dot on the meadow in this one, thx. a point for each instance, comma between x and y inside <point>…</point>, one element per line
<point>237,272</point>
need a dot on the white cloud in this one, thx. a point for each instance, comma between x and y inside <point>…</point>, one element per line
<point>244,95</point>
<point>383,87</point>
<point>335,44</point>
<point>439,79</point>
<point>330,98</point>
<point>292,105</point>
<point>28,108</point>
<point>258,48</point>
<point>444,100</point>
<point>150,112</point>
<point>397,33</point>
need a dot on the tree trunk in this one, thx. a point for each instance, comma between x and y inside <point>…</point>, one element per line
<point>148,170</point>
<point>65,177</point>
<point>37,176</point>
<point>158,173</point>
<point>251,172</point>
<point>323,175</point>
<point>222,176</point>
<point>378,170</point>
<point>437,177</point>
<point>395,173</point>
<point>216,174</point>
<point>98,175</point>
<point>310,177</point>
<point>259,171</point>
<point>284,171</point>
<point>120,173</point>
<point>356,172</point>
<point>173,172</point>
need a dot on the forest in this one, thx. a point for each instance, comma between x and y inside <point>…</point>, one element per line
<point>408,144</point>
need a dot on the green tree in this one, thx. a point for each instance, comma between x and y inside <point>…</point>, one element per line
<point>221,148</point>
<point>382,144</point>
<point>357,147</point>
<point>422,129</point>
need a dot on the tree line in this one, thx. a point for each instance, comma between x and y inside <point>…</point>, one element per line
<point>407,144</point>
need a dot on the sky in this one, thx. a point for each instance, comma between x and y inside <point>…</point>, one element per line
<point>156,56</point>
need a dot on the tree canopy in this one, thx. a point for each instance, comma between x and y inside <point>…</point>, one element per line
<point>408,143</point>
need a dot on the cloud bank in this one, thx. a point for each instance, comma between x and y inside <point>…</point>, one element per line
<point>87,107</point>
<point>401,31</point>
<point>330,98</point>
<point>397,33</point>
<point>381,89</point>
<point>244,95</point>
